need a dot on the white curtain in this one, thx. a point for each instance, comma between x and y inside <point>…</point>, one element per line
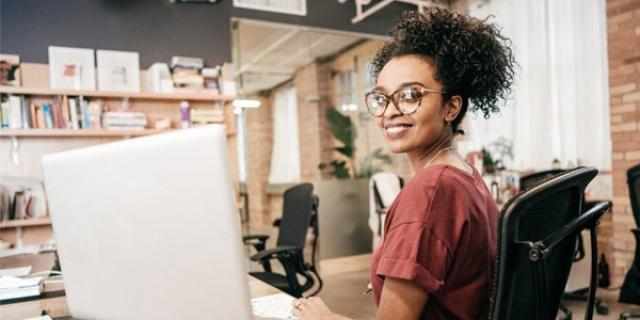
<point>285,158</point>
<point>560,104</point>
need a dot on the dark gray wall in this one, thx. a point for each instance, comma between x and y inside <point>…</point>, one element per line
<point>157,29</point>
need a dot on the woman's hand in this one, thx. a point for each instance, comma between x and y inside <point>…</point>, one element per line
<point>313,309</point>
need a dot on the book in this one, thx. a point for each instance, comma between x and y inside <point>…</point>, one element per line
<point>86,116</point>
<point>15,112</point>
<point>124,120</point>
<point>34,119</point>
<point>6,114</point>
<point>187,62</point>
<point>65,113</point>
<point>42,122</point>
<point>73,114</point>
<point>55,113</point>
<point>16,288</point>
<point>48,116</point>
<point>26,114</point>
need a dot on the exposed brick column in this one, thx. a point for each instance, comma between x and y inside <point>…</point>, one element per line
<point>623,36</point>
<point>312,83</point>
<point>259,147</point>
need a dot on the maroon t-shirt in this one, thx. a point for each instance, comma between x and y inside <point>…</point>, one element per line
<point>441,233</point>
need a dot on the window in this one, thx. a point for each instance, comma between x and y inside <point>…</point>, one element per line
<point>346,82</point>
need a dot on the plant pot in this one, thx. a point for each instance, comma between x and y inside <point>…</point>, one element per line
<point>343,218</point>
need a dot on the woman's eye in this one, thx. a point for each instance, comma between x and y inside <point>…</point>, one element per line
<point>410,94</point>
<point>381,99</point>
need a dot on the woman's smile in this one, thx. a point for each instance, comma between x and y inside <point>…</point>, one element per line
<point>395,131</point>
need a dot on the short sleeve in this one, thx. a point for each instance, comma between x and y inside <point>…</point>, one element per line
<point>412,252</point>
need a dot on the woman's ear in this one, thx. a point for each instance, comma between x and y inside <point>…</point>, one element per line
<point>452,108</point>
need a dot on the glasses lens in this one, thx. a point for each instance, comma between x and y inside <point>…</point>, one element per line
<point>376,103</point>
<point>408,99</point>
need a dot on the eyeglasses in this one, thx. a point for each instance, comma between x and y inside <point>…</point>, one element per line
<point>406,99</point>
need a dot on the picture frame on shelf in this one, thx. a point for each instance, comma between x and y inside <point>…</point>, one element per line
<point>72,68</point>
<point>118,71</point>
<point>9,70</point>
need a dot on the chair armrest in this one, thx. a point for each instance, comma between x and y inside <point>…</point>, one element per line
<point>274,252</point>
<point>260,237</point>
<point>585,220</point>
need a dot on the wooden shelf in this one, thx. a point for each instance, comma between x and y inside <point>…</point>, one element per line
<point>65,133</point>
<point>25,223</point>
<point>196,96</point>
<point>62,133</point>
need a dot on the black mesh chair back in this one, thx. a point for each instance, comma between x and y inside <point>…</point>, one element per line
<point>530,180</point>
<point>296,215</point>
<point>633,181</point>
<point>630,291</point>
<point>537,237</point>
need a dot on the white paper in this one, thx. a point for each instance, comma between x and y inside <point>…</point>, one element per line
<point>15,272</point>
<point>278,306</point>
<point>9,282</point>
<point>40,318</point>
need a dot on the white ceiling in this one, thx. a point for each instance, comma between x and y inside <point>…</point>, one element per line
<point>266,55</point>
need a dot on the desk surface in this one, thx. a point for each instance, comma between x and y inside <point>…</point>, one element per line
<point>57,306</point>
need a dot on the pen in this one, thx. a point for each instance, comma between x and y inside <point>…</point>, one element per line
<point>369,288</point>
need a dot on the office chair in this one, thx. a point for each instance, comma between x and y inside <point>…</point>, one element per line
<point>630,291</point>
<point>531,180</point>
<point>383,190</point>
<point>299,212</point>
<point>537,236</point>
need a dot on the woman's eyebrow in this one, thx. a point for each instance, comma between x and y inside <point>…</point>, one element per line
<point>406,84</point>
<point>402,85</point>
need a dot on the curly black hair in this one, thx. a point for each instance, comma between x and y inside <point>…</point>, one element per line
<point>472,59</point>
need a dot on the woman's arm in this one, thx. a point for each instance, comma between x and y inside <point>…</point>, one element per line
<point>401,299</point>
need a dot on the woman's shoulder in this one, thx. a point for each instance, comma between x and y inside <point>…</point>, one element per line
<point>439,175</point>
<point>433,187</point>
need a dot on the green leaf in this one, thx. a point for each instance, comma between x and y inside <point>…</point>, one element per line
<point>341,126</point>
<point>346,151</point>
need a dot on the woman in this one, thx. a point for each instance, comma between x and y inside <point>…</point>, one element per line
<point>437,257</point>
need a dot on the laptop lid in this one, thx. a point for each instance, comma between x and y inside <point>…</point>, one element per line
<point>148,228</point>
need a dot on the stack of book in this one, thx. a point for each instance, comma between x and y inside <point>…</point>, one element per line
<point>67,113</point>
<point>124,120</point>
<point>206,116</point>
<point>186,72</point>
<point>16,288</point>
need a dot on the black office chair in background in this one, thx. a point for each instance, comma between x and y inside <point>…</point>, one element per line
<point>529,181</point>
<point>299,212</point>
<point>630,291</point>
<point>537,236</point>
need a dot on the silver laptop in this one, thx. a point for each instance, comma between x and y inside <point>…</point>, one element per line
<point>148,228</point>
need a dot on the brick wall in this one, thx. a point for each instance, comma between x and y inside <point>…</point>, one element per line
<point>259,129</point>
<point>312,83</point>
<point>623,36</point>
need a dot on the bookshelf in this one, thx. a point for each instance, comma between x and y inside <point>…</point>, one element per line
<point>27,146</point>
<point>195,96</point>
<point>25,223</point>
<point>66,133</point>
